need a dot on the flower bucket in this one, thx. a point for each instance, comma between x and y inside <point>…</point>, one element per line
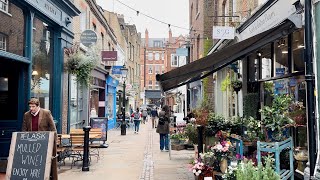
<point>223,165</point>
<point>275,136</point>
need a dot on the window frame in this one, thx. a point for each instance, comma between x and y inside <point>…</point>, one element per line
<point>175,58</point>
<point>3,41</point>
<point>4,6</point>
<point>150,68</point>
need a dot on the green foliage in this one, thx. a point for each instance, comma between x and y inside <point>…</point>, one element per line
<point>192,133</point>
<point>247,171</point>
<point>180,136</point>
<point>251,105</point>
<point>207,45</point>
<point>205,100</point>
<point>268,86</point>
<point>253,129</point>
<point>81,65</point>
<point>226,83</point>
<point>276,117</point>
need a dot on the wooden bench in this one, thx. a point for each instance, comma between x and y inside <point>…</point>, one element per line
<point>77,144</point>
<point>95,135</point>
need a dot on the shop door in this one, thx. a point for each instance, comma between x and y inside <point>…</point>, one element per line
<point>12,95</point>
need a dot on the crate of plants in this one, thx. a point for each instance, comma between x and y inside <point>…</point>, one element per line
<point>177,147</point>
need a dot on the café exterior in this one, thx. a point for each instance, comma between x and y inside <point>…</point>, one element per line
<point>33,35</point>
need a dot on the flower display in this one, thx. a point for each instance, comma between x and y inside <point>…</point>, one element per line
<point>223,149</point>
<point>198,167</point>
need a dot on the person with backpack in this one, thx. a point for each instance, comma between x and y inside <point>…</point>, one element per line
<point>163,128</point>
<point>144,116</point>
<point>136,119</point>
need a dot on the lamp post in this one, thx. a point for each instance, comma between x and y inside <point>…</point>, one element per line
<point>124,72</point>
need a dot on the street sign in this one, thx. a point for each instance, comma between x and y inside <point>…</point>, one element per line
<point>88,37</point>
<point>116,69</point>
<point>223,32</point>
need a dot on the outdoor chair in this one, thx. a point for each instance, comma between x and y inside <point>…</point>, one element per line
<point>95,135</point>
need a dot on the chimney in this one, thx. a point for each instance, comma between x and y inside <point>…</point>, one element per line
<point>147,38</point>
<point>170,36</point>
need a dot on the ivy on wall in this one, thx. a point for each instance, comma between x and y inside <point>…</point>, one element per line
<point>205,100</point>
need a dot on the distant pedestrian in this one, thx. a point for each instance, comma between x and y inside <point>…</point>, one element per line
<point>136,119</point>
<point>131,110</point>
<point>154,115</point>
<point>163,128</point>
<point>144,116</point>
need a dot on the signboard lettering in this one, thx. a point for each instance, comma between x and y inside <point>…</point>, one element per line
<point>30,155</point>
<point>109,55</point>
<point>116,69</point>
<point>223,32</point>
<point>47,8</point>
<point>88,38</point>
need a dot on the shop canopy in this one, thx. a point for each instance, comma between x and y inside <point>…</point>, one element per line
<point>207,65</point>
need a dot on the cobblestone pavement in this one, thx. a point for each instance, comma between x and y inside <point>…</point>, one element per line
<point>132,157</point>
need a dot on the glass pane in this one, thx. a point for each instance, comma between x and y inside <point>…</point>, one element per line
<point>110,106</point>
<point>12,30</point>
<point>264,54</point>
<point>41,63</point>
<point>298,50</point>
<point>253,61</point>
<point>281,56</point>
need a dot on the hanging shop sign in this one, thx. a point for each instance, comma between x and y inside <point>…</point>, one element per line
<point>223,32</point>
<point>109,55</point>
<point>88,38</point>
<point>116,69</point>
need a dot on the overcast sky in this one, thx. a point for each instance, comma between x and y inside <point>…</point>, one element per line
<point>174,12</point>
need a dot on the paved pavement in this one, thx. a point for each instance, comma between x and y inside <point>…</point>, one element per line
<point>133,157</point>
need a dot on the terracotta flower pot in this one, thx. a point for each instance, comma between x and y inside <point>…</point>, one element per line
<point>223,165</point>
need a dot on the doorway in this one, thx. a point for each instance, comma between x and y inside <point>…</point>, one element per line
<point>12,101</point>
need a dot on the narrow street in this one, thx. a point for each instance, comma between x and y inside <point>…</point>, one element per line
<point>134,157</point>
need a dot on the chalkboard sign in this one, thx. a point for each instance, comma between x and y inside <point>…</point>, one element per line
<point>100,122</point>
<point>30,156</point>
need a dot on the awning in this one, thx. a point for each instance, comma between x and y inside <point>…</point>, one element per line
<point>207,65</point>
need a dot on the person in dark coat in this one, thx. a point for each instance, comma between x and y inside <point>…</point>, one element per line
<point>154,115</point>
<point>38,119</point>
<point>163,128</point>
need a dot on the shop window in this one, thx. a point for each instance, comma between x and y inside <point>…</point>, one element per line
<point>281,56</point>
<point>4,5</point>
<point>253,67</point>
<point>3,42</point>
<point>264,56</point>
<point>41,63</point>
<point>298,50</point>
<point>150,56</point>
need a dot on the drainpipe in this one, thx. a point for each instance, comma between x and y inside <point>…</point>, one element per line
<point>317,55</point>
<point>309,76</point>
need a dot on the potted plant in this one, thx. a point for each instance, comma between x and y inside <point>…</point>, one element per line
<point>236,85</point>
<point>223,151</point>
<point>200,169</point>
<point>253,130</point>
<point>276,118</point>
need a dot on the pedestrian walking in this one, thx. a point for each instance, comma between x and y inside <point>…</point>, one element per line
<point>154,115</point>
<point>163,128</point>
<point>38,119</point>
<point>136,119</point>
<point>144,116</point>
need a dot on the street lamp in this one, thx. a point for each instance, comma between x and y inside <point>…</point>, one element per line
<point>124,72</point>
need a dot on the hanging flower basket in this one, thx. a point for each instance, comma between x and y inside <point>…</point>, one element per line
<point>236,85</point>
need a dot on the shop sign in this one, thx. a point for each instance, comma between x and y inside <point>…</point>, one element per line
<point>88,37</point>
<point>116,69</point>
<point>47,8</point>
<point>182,52</point>
<point>273,16</point>
<point>280,71</point>
<point>109,55</point>
<point>223,32</point>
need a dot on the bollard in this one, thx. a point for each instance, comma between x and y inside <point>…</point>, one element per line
<point>200,139</point>
<point>85,163</point>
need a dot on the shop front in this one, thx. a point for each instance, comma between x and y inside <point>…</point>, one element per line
<point>33,35</point>
<point>111,101</point>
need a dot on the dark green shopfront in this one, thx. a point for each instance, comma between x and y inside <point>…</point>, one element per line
<point>33,36</point>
